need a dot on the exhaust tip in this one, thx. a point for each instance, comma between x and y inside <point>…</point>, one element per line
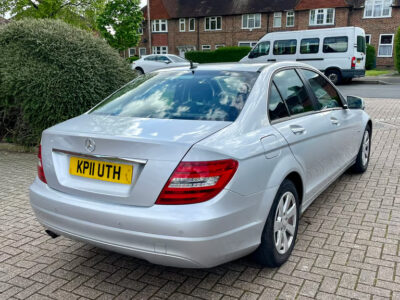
<point>52,234</point>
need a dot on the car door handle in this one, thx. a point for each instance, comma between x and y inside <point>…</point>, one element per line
<point>335,121</point>
<point>297,129</point>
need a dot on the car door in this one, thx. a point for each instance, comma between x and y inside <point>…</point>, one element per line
<point>344,122</point>
<point>150,63</point>
<point>305,130</point>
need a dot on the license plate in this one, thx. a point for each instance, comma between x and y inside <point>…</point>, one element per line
<point>101,170</point>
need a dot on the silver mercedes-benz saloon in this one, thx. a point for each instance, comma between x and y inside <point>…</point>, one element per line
<point>194,167</point>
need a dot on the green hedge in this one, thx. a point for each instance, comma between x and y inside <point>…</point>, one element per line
<point>225,54</point>
<point>51,72</point>
<point>132,59</point>
<point>370,62</point>
<point>397,50</point>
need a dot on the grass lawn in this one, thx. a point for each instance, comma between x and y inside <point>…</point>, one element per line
<point>377,72</point>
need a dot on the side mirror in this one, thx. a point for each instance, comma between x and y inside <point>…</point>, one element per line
<point>354,102</point>
<point>167,62</point>
<point>251,54</point>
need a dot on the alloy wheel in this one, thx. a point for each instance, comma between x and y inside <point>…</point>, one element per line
<point>285,222</point>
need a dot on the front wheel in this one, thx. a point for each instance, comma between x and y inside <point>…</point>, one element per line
<point>280,230</point>
<point>362,160</point>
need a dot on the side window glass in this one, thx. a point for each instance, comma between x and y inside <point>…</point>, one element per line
<point>276,107</point>
<point>325,93</point>
<point>150,58</point>
<point>308,46</point>
<point>285,47</point>
<point>162,58</point>
<point>261,49</point>
<point>335,44</point>
<point>293,92</point>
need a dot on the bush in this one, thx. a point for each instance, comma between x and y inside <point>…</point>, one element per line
<point>51,72</point>
<point>225,54</point>
<point>397,50</point>
<point>132,59</point>
<point>370,62</point>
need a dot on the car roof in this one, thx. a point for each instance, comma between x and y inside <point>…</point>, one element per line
<point>247,67</point>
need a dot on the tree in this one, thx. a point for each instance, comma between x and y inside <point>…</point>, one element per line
<point>120,23</point>
<point>50,72</point>
<point>397,50</point>
<point>81,13</point>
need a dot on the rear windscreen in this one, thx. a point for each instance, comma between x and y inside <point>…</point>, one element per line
<point>198,95</point>
<point>361,44</point>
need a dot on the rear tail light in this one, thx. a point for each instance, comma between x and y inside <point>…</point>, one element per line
<point>353,62</point>
<point>195,182</point>
<point>40,170</point>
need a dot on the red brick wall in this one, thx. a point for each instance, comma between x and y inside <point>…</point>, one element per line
<point>375,27</point>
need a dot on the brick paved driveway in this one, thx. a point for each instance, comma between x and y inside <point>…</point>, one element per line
<point>348,244</point>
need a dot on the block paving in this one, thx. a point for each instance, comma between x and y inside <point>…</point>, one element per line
<point>348,243</point>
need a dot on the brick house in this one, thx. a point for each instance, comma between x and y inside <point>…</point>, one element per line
<point>178,26</point>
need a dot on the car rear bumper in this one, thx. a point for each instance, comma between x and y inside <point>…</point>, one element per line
<point>191,236</point>
<point>353,73</point>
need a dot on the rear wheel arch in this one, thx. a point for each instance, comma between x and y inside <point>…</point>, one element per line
<point>139,69</point>
<point>298,182</point>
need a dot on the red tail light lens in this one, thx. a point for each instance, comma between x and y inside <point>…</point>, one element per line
<point>195,182</point>
<point>353,62</point>
<point>40,170</point>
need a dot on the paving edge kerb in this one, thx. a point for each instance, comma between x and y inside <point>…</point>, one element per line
<point>17,148</point>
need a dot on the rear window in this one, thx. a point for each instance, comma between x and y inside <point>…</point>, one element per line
<point>177,59</point>
<point>336,44</point>
<point>198,95</point>
<point>361,44</point>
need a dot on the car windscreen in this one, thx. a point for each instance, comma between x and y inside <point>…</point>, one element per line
<point>189,95</point>
<point>177,59</point>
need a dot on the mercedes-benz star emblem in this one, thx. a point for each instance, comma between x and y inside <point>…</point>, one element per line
<point>90,145</point>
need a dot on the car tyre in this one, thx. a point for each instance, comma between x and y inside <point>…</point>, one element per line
<point>334,75</point>
<point>363,156</point>
<point>280,230</point>
<point>139,71</point>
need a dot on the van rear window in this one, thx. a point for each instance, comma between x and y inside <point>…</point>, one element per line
<point>336,44</point>
<point>285,47</point>
<point>308,46</point>
<point>361,44</point>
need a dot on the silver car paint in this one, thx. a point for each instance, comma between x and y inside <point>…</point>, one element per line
<point>198,235</point>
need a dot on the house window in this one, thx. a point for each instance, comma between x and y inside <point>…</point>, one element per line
<point>205,47</point>
<point>132,52</point>
<point>219,46</point>
<point>378,8</point>
<point>290,19</point>
<point>213,23</point>
<point>142,51</point>
<point>160,25</point>
<point>192,24</point>
<point>385,45</point>
<point>250,21</point>
<point>160,49</point>
<point>182,25</point>
<point>277,19</point>
<point>368,39</point>
<point>140,29</point>
<point>322,16</point>
<point>247,44</point>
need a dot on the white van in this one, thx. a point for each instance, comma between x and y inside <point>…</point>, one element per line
<point>338,52</point>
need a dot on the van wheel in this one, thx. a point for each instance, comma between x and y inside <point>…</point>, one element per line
<point>334,76</point>
<point>362,160</point>
<point>280,230</point>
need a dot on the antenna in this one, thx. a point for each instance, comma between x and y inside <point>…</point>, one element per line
<point>192,66</point>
